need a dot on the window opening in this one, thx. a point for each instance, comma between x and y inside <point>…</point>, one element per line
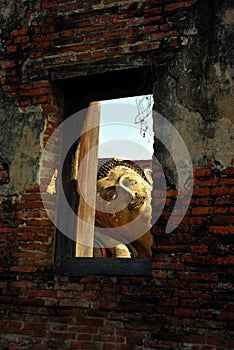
<point>117,169</point>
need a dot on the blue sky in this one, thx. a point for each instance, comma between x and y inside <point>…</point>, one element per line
<point>120,136</point>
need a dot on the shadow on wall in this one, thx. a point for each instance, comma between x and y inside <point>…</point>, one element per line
<point>4,172</point>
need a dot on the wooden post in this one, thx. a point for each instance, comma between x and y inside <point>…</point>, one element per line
<point>87,173</point>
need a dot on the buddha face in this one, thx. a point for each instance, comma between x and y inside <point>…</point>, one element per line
<point>123,195</point>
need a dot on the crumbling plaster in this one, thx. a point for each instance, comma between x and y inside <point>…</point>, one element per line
<point>195,92</point>
<point>20,141</point>
<point>20,136</point>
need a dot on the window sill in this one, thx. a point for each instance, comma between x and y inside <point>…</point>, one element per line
<point>108,266</point>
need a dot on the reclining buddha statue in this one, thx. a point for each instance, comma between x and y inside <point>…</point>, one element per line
<point>123,210</point>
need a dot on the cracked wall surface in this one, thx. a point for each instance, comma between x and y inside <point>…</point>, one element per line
<point>182,297</point>
<point>195,92</point>
<point>20,146</point>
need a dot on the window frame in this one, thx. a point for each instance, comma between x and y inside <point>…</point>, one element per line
<point>130,82</point>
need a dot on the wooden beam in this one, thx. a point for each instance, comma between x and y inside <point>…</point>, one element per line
<point>87,163</point>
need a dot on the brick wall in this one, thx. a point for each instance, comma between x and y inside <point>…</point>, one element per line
<point>187,302</point>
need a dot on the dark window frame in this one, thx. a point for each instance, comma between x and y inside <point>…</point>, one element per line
<point>78,93</point>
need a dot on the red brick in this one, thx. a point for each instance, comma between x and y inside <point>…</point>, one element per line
<point>98,54</point>
<point>5,299</point>
<point>21,39</point>
<point>201,201</point>
<point>114,51</point>
<point>222,229</point>
<point>122,24</point>
<point>222,191</point>
<point>38,223</point>
<point>221,210</point>
<point>22,284</point>
<point>223,220</point>
<point>226,181</point>
<point>9,64</point>
<point>3,284</point>
<point>28,255</point>
<point>83,56</point>
<point>161,35</point>
<point>36,92</point>
<point>23,31</point>
<point>170,193</point>
<point>61,335</point>
<point>41,99</point>
<point>15,326</point>
<point>49,4</point>
<point>81,344</point>
<point>200,249</point>
<point>114,346</point>
<point>225,316</point>
<point>38,262</point>
<point>15,32</point>
<point>229,171</point>
<point>23,269</point>
<point>109,339</point>
<point>225,201</point>
<point>206,183</point>
<point>80,303</point>
<point>201,173</point>
<point>201,211</point>
<point>41,293</point>
<point>166,27</point>
<point>191,220</point>
<point>167,266</point>
<point>33,189</point>
<point>161,345</point>
<point>29,205</point>
<point>24,102</point>
<point>198,276</point>
<point>229,260</point>
<point>119,33</point>
<point>69,287</point>
<point>201,192</point>
<point>11,49</point>
<point>194,313</point>
<point>32,197</point>
<point>169,302</point>
<point>175,6</point>
<point>150,12</point>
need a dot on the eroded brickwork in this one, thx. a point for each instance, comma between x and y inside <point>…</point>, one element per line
<point>187,302</point>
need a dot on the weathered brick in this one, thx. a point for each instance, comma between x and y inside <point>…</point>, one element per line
<point>201,192</point>
<point>198,276</point>
<point>223,220</point>
<point>200,249</point>
<point>174,6</point>
<point>186,301</point>
<point>81,344</point>
<point>7,65</point>
<point>12,48</point>
<point>222,191</point>
<point>23,269</point>
<point>222,229</point>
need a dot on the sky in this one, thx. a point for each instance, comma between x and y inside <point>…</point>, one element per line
<point>120,135</point>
